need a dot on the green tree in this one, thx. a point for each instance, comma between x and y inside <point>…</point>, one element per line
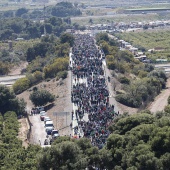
<point>9,102</point>
<point>66,155</point>
<point>20,12</point>
<point>21,85</point>
<point>67,38</point>
<point>102,36</point>
<point>41,97</point>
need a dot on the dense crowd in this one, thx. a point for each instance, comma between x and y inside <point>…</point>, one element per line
<point>91,95</point>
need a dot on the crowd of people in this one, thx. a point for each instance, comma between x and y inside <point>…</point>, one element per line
<point>89,92</point>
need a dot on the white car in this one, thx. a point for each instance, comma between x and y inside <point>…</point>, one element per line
<point>46,119</point>
<point>49,127</point>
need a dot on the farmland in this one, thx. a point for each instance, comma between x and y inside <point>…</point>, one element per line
<point>148,39</point>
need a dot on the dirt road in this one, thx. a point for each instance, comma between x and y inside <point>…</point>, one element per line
<point>38,130</point>
<point>161,100</point>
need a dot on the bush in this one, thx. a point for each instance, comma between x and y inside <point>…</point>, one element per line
<point>124,80</point>
<point>21,85</point>
<point>111,65</point>
<point>41,97</point>
<point>129,101</point>
<point>62,74</point>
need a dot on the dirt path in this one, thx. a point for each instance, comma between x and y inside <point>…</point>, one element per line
<point>62,105</point>
<point>161,100</point>
<point>17,69</point>
<point>23,130</point>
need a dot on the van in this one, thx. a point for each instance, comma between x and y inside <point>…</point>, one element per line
<point>49,127</point>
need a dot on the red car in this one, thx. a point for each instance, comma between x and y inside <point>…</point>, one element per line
<point>42,115</point>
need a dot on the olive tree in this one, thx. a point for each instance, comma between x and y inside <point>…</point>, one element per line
<point>41,97</point>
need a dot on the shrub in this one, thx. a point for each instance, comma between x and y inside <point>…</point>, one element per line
<point>41,97</point>
<point>62,74</point>
<point>21,85</point>
<point>124,80</point>
<point>111,65</point>
<point>129,101</point>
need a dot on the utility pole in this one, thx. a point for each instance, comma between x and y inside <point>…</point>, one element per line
<point>44,20</point>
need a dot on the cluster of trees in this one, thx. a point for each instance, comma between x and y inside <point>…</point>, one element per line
<point>47,59</point>
<point>138,93</point>
<point>5,68</point>
<point>12,154</point>
<point>143,86</point>
<point>61,9</point>
<point>64,9</point>
<point>139,141</point>
<point>12,28</point>
<point>9,101</point>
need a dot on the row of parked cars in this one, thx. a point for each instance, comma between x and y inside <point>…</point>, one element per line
<point>52,134</point>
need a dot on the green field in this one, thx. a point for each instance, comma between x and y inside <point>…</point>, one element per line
<point>148,40</point>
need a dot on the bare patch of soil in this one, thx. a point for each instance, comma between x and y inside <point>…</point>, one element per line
<point>16,70</point>
<point>23,130</point>
<point>161,100</point>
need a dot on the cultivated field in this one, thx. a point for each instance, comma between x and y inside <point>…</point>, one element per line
<point>150,39</point>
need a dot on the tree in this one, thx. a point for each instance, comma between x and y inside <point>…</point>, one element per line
<point>66,155</point>
<point>20,12</point>
<point>8,101</point>
<point>41,97</point>
<point>21,85</point>
<point>66,37</point>
<point>102,36</point>
<point>4,67</point>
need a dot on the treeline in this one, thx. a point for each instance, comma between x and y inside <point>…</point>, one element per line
<point>140,82</point>
<point>9,101</point>
<point>61,9</point>
<point>12,154</point>
<point>13,28</point>
<point>138,142</point>
<point>47,59</point>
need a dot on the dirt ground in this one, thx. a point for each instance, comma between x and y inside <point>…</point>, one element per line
<point>23,130</point>
<point>60,113</point>
<point>161,100</point>
<point>17,69</point>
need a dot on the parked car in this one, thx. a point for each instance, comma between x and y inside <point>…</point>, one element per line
<point>46,119</point>
<point>49,127</point>
<point>54,135</point>
<point>42,112</point>
<point>42,115</point>
<point>40,108</point>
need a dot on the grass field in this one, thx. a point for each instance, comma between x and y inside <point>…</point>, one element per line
<point>150,39</point>
<point>115,18</point>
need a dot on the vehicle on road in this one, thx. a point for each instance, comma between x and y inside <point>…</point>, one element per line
<point>54,135</point>
<point>46,118</point>
<point>40,108</point>
<point>49,127</point>
<point>42,115</point>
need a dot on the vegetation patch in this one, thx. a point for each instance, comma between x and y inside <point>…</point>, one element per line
<point>158,41</point>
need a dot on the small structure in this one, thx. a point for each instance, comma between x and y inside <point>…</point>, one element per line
<point>133,50</point>
<point>161,60</point>
<point>141,58</point>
